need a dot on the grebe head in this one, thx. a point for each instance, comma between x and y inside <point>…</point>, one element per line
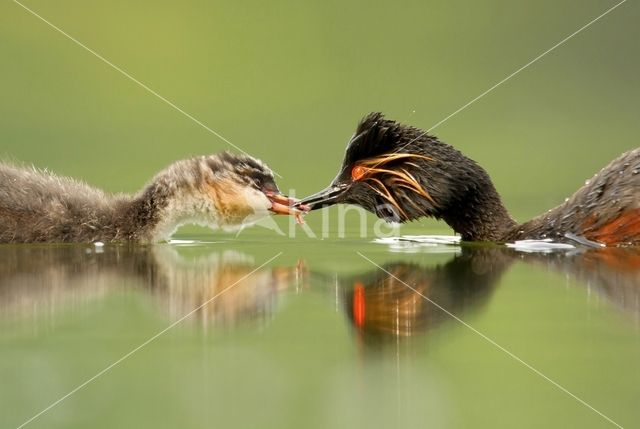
<point>395,171</point>
<point>401,173</point>
<point>253,179</point>
<point>223,190</point>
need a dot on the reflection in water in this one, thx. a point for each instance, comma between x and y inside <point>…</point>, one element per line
<point>242,292</point>
<point>37,282</point>
<point>382,306</point>
<point>613,273</point>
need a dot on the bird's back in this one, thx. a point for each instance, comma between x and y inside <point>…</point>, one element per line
<point>37,206</point>
<point>612,201</point>
<point>605,210</point>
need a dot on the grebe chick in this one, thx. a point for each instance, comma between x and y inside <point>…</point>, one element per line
<point>400,173</point>
<point>224,191</point>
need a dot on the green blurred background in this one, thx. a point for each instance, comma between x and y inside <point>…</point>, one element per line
<point>287,81</point>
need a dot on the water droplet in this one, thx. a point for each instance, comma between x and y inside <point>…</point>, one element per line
<point>566,199</point>
<point>587,182</point>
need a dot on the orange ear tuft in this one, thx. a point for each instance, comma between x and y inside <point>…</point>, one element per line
<point>358,172</point>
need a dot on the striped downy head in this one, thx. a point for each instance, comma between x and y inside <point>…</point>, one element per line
<point>223,190</point>
<point>244,189</point>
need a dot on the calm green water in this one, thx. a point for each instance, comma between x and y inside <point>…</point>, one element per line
<point>319,336</point>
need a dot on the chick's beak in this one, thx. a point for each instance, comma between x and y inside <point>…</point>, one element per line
<point>281,204</point>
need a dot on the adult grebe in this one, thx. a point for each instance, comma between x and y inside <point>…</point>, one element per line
<point>221,191</point>
<point>400,173</point>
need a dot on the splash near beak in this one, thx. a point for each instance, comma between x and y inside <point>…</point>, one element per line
<point>281,204</point>
<point>324,198</point>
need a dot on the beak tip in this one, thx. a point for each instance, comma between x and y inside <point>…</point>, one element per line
<point>281,204</point>
<point>306,208</point>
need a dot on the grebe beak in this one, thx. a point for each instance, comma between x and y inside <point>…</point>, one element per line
<point>324,198</point>
<point>281,204</point>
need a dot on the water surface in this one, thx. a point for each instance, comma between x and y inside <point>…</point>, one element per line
<point>328,333</point>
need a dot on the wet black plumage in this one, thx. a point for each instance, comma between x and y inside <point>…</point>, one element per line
<point>402,173</point>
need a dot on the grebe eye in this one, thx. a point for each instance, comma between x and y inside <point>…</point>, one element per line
<point>358,172</point>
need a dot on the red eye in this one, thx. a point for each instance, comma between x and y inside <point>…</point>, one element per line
<point>358,172</point>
